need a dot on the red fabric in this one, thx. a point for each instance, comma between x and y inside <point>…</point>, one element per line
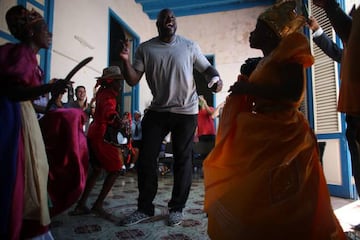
<point>67,152</point>
<point>107,154</point>
<point>19,64</point>
<point>205,123</point>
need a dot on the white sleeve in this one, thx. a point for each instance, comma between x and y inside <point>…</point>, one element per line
<point>318,32</point>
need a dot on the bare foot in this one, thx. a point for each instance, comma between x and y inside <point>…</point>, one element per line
<point>80,210</point>
<point>100,212</point>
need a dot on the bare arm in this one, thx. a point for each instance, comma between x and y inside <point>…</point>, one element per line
<point>290,89</point>
<point>132,77</point>
<point>216,113</point>
<point>22,93</point>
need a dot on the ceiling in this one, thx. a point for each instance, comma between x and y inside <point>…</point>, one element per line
<point>194,7</point>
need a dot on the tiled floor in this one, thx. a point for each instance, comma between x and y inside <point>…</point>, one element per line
<point>348,213</point>
<point>122,201</point>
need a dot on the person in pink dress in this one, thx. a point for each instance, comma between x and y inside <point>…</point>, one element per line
<point>24,164</point>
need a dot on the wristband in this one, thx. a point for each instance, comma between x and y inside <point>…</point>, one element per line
<point>214,80</point>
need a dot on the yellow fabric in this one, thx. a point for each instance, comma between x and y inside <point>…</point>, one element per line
<point>263,179</point>
<point>36,167</point>
<point>349,101</point>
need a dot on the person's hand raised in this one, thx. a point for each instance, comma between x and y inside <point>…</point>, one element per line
<point>124,50</point>
<point>313,24</point>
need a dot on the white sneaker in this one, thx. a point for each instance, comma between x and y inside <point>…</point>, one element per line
<point>175,218</point>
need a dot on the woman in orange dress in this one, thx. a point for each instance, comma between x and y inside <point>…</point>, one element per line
<point>263,179</point>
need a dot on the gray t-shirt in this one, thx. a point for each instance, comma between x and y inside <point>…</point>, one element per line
<point>168,70</point>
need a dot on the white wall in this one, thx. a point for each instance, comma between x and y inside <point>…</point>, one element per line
<point>350,3</point>
<point>4,6</point>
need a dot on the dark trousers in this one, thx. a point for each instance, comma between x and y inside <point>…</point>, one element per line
<point>155,126</point>
<point>207,138</point>
<point>353,139</point>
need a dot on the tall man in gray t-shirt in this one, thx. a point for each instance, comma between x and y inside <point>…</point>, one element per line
<point>168,61</point>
